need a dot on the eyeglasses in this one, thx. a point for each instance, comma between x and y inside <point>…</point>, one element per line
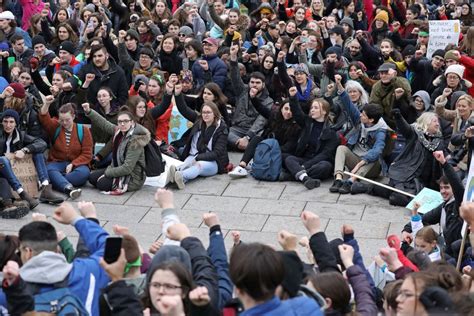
<point>123,122</point>
<point>165,286</point>
<point>405,295</point>
<point>452,77</point>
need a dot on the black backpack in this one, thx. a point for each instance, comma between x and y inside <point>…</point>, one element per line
<point>154,163</point>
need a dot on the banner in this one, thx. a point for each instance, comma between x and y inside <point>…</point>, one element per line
<point>442,33</point>
<point>25,171</point>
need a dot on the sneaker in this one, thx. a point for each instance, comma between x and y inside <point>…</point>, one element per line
<point>359,187</point>
<point>73,192</point>
<point>336,185</point>
<point>14,212</point>
<point>170,175</point>
<point>178,179</point>
<point>285,176</point>
<point>48,196</point>
<point>238,172</point>
<point>345,187</point>
<point>311,183</point>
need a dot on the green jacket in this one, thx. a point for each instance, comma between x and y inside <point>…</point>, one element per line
<point>385,96</point>
<point>130,154</point>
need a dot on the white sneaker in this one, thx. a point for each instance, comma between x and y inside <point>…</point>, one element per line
<point>238,172</point>
<point>178,179</point>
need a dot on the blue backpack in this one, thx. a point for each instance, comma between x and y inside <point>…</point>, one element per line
<point>79,130</point>
<point>60,301</point>
<point>267,160</point>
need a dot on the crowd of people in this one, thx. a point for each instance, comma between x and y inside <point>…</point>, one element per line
<point>327,87</point>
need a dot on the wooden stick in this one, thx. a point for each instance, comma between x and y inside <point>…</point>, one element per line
<point>461,251</point>
<point>379,184</point>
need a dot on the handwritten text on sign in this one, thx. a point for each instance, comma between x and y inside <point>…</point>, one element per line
<point>442,33</point>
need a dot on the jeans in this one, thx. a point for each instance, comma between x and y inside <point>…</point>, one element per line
<point>40,165</point>
<point>198,168</point>
<point>7,173</point>
<point>60,180</point>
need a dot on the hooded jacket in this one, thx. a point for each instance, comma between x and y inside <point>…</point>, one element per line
<point>130,153</point>
<point>245,115</point>
<point>85,278</point>
<point>407,108</point>
<point>130,66</point>
<point>114,78</point>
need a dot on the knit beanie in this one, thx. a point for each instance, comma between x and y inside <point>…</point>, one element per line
<point>438,52</point>
<point>186,30</point>
<point>301,68</point>
<point>11,113</point>
<point>67,46</point>
<point>133,34</point>
<point>409,50</point>
<point>347,21</point>
<point>19,90</point>
<point>455,69</point>
<point>146,50</point>
<point>451,55</point>
<point>382,16</point>
<point>334,50</point>
<point>38,39</point>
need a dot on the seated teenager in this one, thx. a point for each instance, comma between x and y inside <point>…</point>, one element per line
<point>71,149</point>
<point>316,146</point>
<point>19,143</point>
<point>365,145</point>
<point>127,170</point>
<point>205,153</point>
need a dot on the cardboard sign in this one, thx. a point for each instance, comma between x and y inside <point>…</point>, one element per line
<point>25,171</point>
<point>428,199</point>
<point>442,33</point>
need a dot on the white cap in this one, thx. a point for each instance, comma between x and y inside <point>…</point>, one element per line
<point>7,15</point>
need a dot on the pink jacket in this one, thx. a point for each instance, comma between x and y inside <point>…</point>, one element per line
<point>29,9</point>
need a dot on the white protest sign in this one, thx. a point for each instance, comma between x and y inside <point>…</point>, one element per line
<point>442,33</point>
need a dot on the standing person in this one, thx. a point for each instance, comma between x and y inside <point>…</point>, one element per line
<point>105,72</point>
<point>71,149</point>
<point>205,153</point>
<point>316,146</point>
<point>246,121</point>
<point>127,170</point>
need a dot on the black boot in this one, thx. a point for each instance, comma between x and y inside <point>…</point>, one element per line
<point>311,183</point>
<point>28,198</point>
<point>48,196</point>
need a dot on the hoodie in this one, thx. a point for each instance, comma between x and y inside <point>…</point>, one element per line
<point>425,97</point>
<point>368,139</point>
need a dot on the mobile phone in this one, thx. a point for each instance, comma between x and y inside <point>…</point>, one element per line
<point>112,249</point>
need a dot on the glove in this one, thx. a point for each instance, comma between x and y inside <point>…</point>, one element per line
<point>137,84</point>
<point>396,113</point>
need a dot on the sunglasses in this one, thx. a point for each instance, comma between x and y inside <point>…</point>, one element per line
<point>182,35</point>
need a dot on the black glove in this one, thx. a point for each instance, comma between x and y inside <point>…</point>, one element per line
<point>396,113</point>
<point>137,84</point>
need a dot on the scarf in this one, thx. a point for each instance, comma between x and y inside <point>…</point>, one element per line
<point>430,145</point>
<point>307,93</point>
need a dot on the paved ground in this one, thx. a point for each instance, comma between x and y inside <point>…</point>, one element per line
<point>258,209</point>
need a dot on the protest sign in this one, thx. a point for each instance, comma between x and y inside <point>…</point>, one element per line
<point>428,199</point>
<point>442,33</point>
<point>25,171</point>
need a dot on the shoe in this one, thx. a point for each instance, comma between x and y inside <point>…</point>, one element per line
<point>178,179</point>
<point>336,185</point>
<point>73,192</point>
<point>285,176</point>
<point>171,173</point>
<point>359,187</point>
<point>32,202</point>
<point>48,196</point>
<point>14,212</point>
<point>345,187</point>
<point>238,172</point>
<point>311,183</point>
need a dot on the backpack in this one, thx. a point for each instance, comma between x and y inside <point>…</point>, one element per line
<point>154,163</point>
<point>267,160</point>
<point>59,301</point>
<point>79,129</point>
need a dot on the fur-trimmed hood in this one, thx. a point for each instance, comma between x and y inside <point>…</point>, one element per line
<point>138,136</point>
<point>243,24</point>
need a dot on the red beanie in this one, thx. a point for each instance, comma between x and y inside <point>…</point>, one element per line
<point>19,90</point>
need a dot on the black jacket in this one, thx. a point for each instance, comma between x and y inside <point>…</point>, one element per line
<point>328,140</point>
<point>22,140</point>
<point>114,78</point>
<point>424,75</point>
<point>454,222</point>
<point>219,137</point>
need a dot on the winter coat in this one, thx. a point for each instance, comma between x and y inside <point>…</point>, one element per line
<point>48,56</point>
<point>407,108</point>
<point>320,72</point>
<point>218,139</point>
<point>411,161</point>
<point>121,300</point>
<point>384,95</point>
<point>23,58</point>
<point>223,24</point>
<point>375,138</point>
<point>22,33</point>
<point>424,74</point>
<point>114,78</point>
<point>440,85</point>
<point>364,296</point>
<point>468,62</point>
<point>85,278</point>
<point>453,227</point>
<point>130,153</point>
<point>217,72</point>
<point>245,115</point>
<point>20,140</point>
<point>298,306</point>
<point>328,139</point>
<point>130,66</point>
